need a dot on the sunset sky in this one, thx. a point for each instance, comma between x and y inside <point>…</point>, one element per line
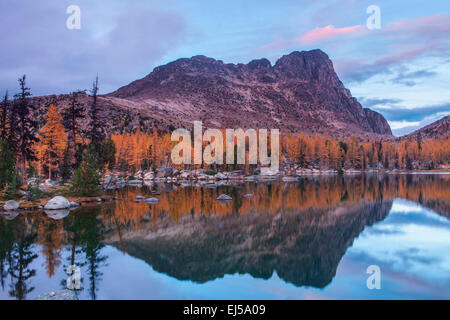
<point>401,70</point>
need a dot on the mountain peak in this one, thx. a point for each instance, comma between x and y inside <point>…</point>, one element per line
<point>300,93</point>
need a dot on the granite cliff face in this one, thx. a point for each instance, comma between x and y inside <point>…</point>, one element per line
<point>300,93</point>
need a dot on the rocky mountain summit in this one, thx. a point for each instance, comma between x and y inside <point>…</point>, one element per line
<point>300,93</point>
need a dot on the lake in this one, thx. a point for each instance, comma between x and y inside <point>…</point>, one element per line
<point>311,239</point>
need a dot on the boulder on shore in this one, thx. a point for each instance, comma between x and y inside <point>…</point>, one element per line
<point>221,176</point>
<point>57,203</point>
<point>32,181</point>
<point>50,183</point>
<point>164,172</point>
<point>149,176</point>
<point>11,205</point>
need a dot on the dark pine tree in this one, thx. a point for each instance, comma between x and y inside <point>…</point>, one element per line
<point>6,245</point>
<point>419,141</point>
<point>24,126</point>
<point>20,263</point>
<point>91,237</point>
<point>95,131</point>
<point>4,118</point>
<point>72,116</point>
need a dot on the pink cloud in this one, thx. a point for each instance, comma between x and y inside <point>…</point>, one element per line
<point>423,25</point>
<point>328,32</point>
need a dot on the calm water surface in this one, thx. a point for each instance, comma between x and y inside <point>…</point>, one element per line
<point>308,240</point>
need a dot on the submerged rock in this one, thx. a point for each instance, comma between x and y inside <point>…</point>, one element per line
<point>73,204</point>
<point>152,200</point>
<point>224,197</point>
<point>11,205</point>
<point>290,179</point>
<point>57,214</point>
<point>57,203</point>
<point>9,215</point>
<point>58,295</point>
<point>135,183</point>
<point>249,196</point>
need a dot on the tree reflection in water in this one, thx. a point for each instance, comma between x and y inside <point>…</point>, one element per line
<point>299,230</point>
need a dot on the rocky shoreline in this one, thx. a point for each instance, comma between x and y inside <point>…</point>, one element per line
<point>58,206</point>
<point>116,180</point>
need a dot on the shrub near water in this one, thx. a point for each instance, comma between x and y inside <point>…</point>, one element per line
<point>86,180</point>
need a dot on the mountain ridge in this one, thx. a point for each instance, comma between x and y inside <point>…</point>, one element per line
<point>301,92</point>
<point>439,129</point>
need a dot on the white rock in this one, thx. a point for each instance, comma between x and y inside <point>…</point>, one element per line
<point>269,172</point>
<point>149,176</point>
<point>50,183</point>
<point>221,176</point>
<point>11,205</point>
<point>138,174</point>
<point>32,181</point>
<point>185,174</point>
<point>57,203</point>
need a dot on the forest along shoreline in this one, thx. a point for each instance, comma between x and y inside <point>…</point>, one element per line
<point>51,195</point>
<point>70,145</point>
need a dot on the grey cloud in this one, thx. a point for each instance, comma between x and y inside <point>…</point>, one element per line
<point>416,114</point>
<point>119,48</point>
<point>372,102</point>
<point>409,78</point>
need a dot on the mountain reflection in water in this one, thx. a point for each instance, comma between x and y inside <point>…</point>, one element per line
<point>298,231</point>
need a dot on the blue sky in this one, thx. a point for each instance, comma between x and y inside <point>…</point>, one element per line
<point>401,70</point>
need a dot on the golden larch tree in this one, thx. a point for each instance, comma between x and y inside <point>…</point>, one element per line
<point>53,140</point>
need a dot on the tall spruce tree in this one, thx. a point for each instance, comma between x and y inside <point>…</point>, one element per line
<point>85,181</point>
<point>96,129</point>
<point>4,117</point>
<point>23,126</point>
<point>7,164</point>
<point>72,116</point>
